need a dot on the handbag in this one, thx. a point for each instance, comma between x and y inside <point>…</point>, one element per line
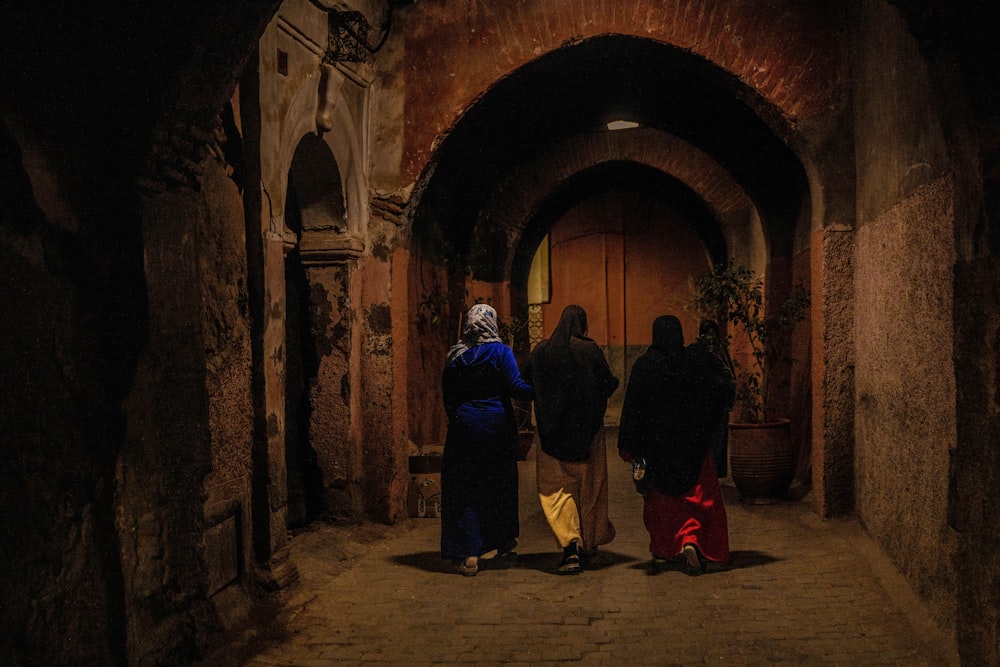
<point>642,475</point>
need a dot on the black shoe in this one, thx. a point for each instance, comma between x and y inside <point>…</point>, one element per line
<point>507,549</point>
<point>504,558</point>
<point>571,562</point>
<point>657,565</point>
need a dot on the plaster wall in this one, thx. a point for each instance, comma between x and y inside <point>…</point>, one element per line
<point>433,326</point>
<point>905,376</point>
<point>383,465</point>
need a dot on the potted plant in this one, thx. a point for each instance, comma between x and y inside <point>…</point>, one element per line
<point>761,455</point>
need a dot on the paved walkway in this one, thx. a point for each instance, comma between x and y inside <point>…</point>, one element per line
<point>802,591</point>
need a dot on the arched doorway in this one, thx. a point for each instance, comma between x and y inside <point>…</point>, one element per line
<point>624,242</point>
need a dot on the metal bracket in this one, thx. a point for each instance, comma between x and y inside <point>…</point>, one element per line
<point>348,38</point>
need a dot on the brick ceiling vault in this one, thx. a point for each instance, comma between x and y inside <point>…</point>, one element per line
<point>565,98</point>
<point>788,51</point>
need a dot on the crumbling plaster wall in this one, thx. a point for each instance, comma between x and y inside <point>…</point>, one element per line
<point>904,281</point>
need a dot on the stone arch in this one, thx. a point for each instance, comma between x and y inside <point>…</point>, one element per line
<point>514,205</point>
<point>797,72</point>
<point>605,176</point>
<point>325,86</point>
<point>570,92</point>
<point>528,113</point>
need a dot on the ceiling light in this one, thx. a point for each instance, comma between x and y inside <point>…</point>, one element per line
<point>622,125</point>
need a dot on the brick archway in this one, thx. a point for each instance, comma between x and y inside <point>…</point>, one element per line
<point>570,94</point>
<point>545,121</point>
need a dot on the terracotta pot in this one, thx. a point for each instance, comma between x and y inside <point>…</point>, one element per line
<point>761,461</point>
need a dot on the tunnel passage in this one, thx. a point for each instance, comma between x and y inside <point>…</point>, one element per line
<point>461,246</point>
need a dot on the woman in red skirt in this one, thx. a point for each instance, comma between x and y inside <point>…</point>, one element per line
<point>671,405</point>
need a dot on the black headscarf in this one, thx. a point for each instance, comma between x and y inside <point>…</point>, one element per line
<point>663,417</point>
<point>572,383</point>
<point>668,337</point>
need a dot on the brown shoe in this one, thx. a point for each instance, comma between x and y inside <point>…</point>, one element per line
<point>469,567</point>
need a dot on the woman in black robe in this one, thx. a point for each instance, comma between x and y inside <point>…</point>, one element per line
<point>572,383</point>
<point>710,341</point>
<point>671,406</point>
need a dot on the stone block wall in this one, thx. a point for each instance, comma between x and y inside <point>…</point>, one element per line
<point>905,409</point>
<point>975,478</point>
<point>905,384</point>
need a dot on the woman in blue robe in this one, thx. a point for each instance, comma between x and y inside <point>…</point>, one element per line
<point>479,468</point>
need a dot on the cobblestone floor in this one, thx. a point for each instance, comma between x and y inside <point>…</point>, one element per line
<point>801,591</point>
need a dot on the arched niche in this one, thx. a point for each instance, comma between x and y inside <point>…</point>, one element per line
<point>320,456</point>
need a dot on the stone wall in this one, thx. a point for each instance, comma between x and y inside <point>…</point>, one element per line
<point>975,480</point>
<point>904,273</point>
<point>70,332</point>
<point>905,383</point>
<point>833,371</point>
<point>125,467</point>
<point>185,474</point>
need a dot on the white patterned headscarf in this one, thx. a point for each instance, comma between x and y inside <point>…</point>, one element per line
<point>480,327</point>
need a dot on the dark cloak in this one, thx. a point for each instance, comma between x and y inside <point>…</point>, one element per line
<point>572,382</point>
<point>672,403</point>
<point>709,341</point>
